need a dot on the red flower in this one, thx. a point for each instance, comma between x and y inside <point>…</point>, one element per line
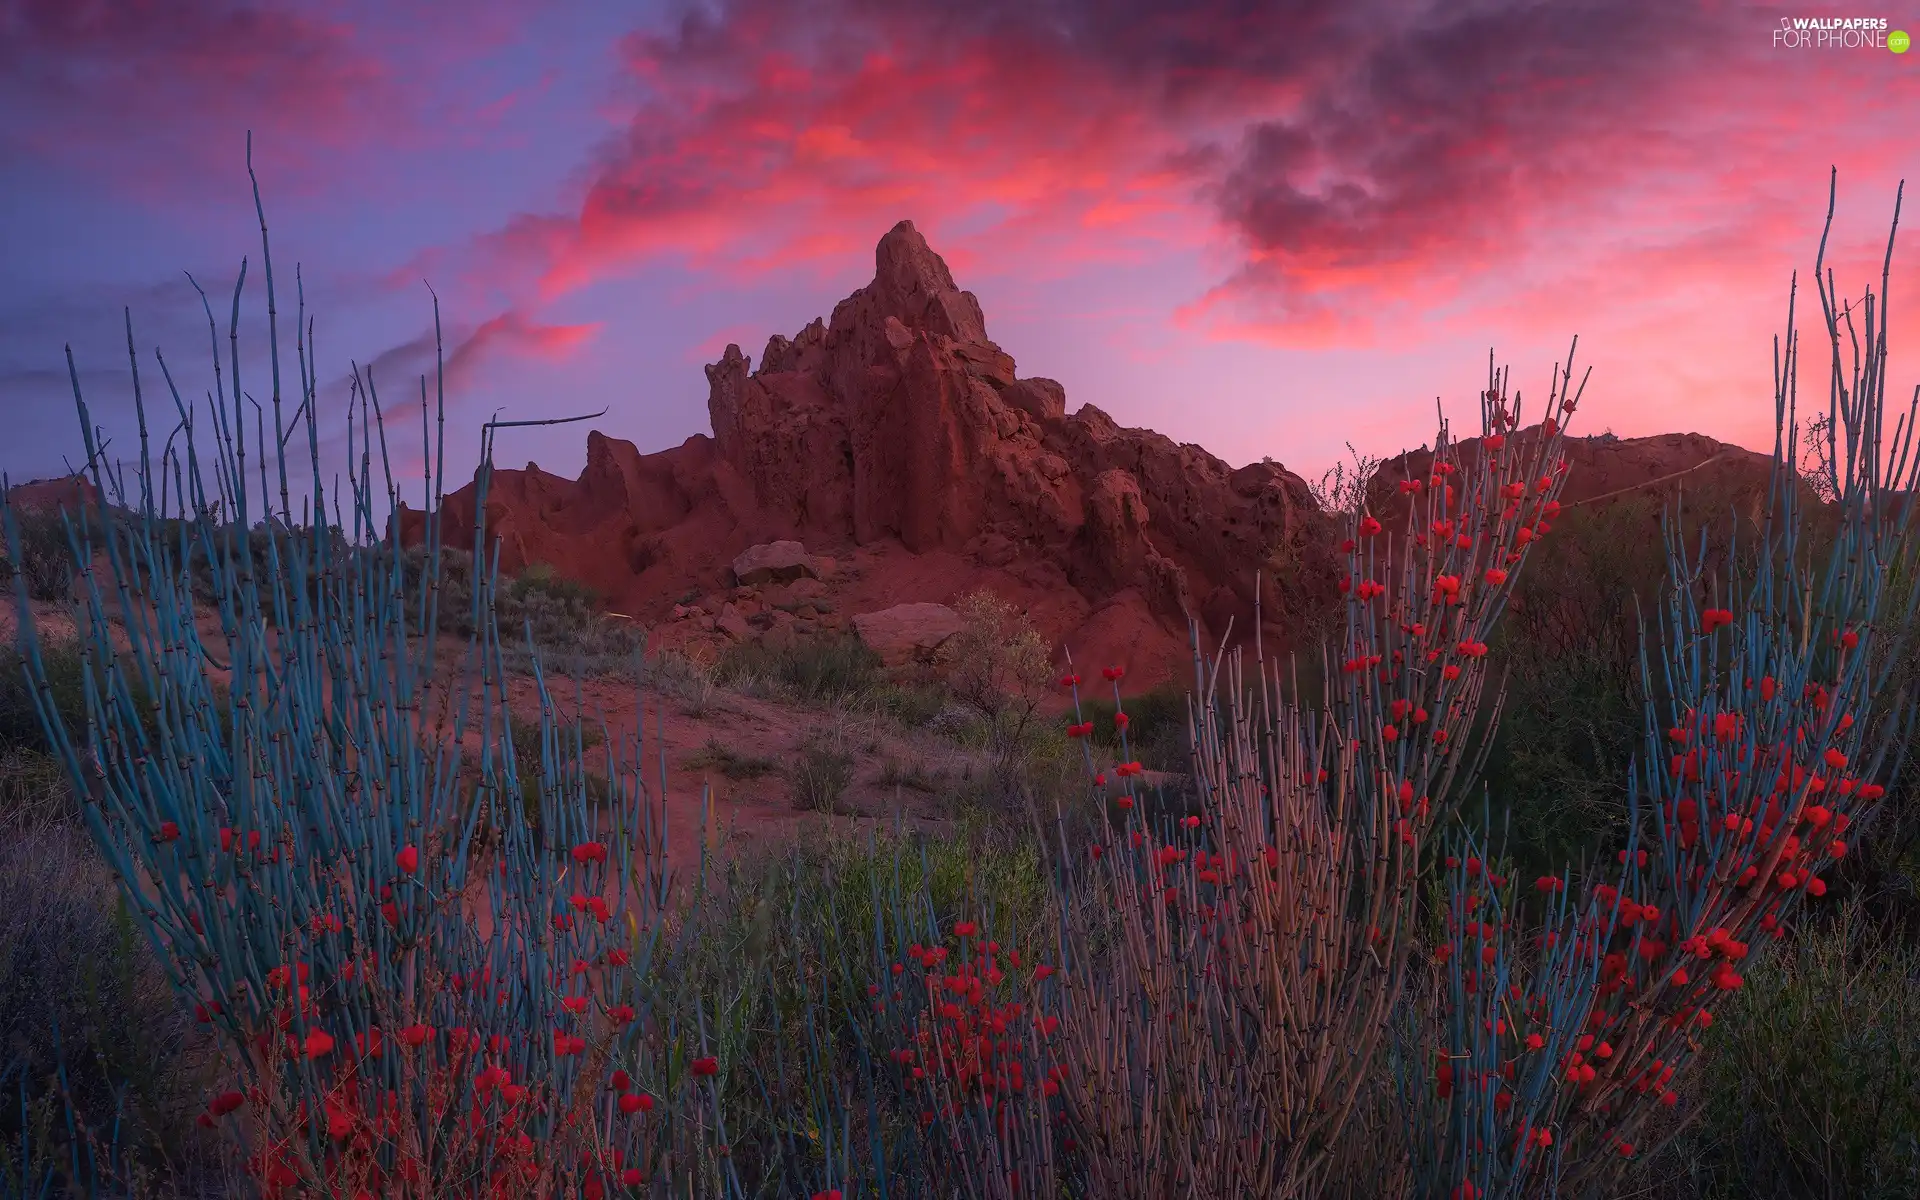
<point>1495,576</point>
<point>416,1035</point>
<point>1112,673</point>
<point>168,831</point>
<point>409,859</point>
<point>706,1066</point>
<point>574,1004</point>
<point>621,1082</point>
<point>1714,618</point>
<point>319,1043</point>
<point>1120,720</point>
<point>637,1102</point>
<point>225,1103</point>
<point>1834,758</point>
<point>966,929</point>
<point>587,852</point>
<point>1067,681</point>
<point>1369,527</point>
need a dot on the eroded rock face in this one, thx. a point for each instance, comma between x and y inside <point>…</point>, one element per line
<point>897,419</point>
<point>945,447</point>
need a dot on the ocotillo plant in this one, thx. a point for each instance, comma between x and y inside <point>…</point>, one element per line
<point>293,809</point>
<point>1770,734</point>
<point>1230,979</point>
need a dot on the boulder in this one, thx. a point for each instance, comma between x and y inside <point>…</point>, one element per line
<point>773,562</point>
<point>733,624</point>
<point>907,632</point>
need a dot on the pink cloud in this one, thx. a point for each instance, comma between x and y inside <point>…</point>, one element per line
<point>761,146</point>
<point>1358,164</point>
<point>513,333</point>
<point>1348,173</point>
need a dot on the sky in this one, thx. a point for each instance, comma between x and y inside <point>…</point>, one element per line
<point>1273,229</point>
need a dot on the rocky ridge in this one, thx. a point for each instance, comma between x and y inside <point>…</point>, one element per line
<point>898,437</point>
<point>891,455</point>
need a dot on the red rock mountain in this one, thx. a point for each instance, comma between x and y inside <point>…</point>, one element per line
<point>897,433</point>
<point>897,438</point>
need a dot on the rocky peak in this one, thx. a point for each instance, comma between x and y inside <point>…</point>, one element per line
<point>897,420</point>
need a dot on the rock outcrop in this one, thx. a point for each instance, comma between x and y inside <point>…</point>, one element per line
<point>898,422</point>
<point>74,493</point>
<point>896,436</point>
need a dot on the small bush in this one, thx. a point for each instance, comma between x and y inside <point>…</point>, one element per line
<point>822,671</point>
<point>1156,727</point>
<point>19,721</point>
<point>911,704</point>
<point>819,776</point>
<point>33,790</point>
<point>45,557</point>
<point>20,726</point>
<point>715,756</point>
<point>998,662</point>
<point>71,960</point>
<point>570,631</point>
<point>913,776</point>
<point>998,666</point>
<point>1812,1087</point>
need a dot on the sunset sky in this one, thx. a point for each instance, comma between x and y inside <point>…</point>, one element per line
<point>1267,228</point>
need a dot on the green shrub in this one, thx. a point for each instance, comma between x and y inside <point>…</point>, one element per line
<point>33,790</point>
<point>716,756</point>
<point>66,685</point>
<point>1812,1081</point>
<point>819,775</point>
<point>1156,726</point>
<point>822,671</point>
<point>1567,654</point>
<point>45,557</point>
<point>71,960</point>
<point>570,631</point>
<point>782,952</point>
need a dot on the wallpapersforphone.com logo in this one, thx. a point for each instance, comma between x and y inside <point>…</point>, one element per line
<point>1840,33</point>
